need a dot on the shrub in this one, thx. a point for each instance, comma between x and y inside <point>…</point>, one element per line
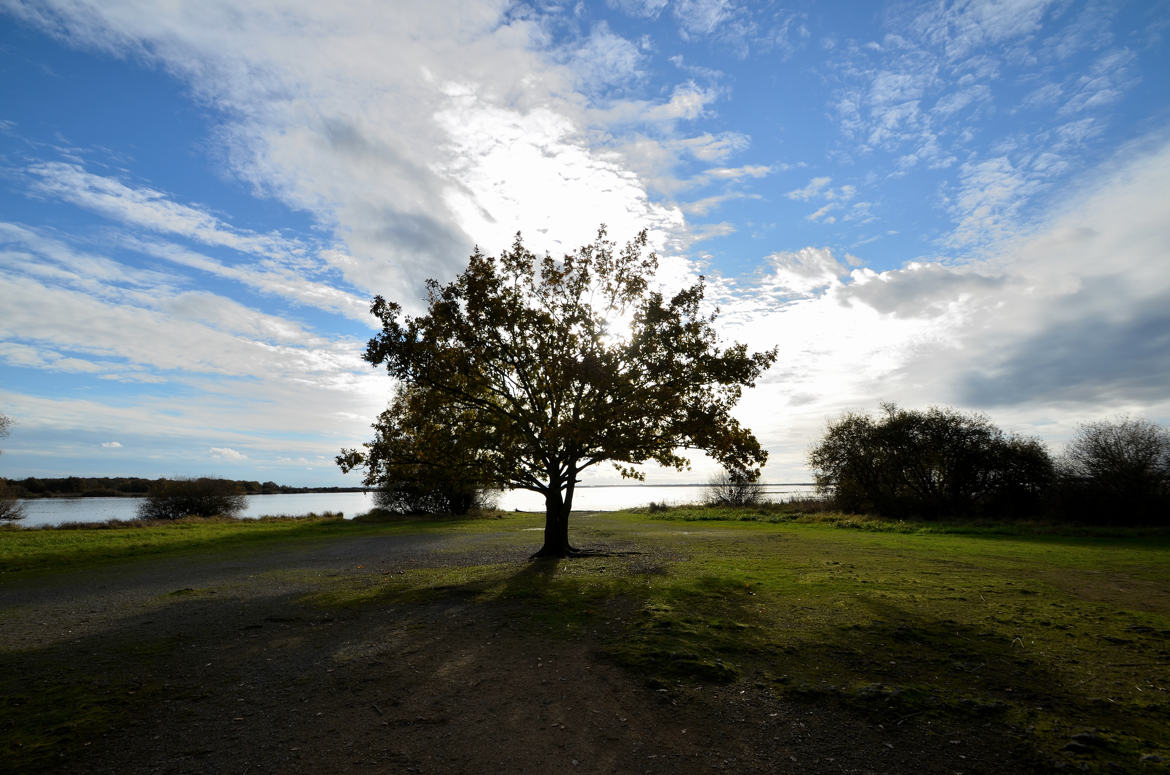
<point>733,488</point>
<point>187,497</point>
<point>1117,472</point>
<point>432,497</point>
<point>932,463</point>
<point>11,509</point>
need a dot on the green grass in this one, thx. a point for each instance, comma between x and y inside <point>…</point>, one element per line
<point>81,545</point>
<point>71,547</point>
<point>1065,637</point>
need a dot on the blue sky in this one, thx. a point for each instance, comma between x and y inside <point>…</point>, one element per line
<point>960,203</point>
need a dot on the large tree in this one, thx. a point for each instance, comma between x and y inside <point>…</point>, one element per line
<point>525,371</point>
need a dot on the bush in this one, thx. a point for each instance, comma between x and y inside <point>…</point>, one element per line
<point>11,509</point>
<point>932,463</point>
<point>432,498</point>
<point>1117,472</point>
<point>733,488</point>
<point>185,497</point>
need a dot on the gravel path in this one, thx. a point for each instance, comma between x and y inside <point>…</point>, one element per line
<point>220,665</point>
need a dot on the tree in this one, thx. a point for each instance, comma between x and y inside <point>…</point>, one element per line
<point>11,509</point>
<point>1117,471</point>
<point>929,463</point>
<point>733,488</point>
<point>526,371</point>
<point>186,497</point>
<point>423,464</point>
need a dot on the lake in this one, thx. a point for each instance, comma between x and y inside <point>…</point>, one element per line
<point>54,511</point>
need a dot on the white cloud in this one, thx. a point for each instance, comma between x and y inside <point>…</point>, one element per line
<point>819,188</point>
<point>707,204</point>
<point>702,17</point>
<point>150,209</point>
<point>929,91</point>
<point>1104,83</point>
<point>111,445</point>
<point>272,279</point>
<point>815,188</point>
<point>379,123</point>
<point>605,59</point>
<point>988,203</point>
<point>226,453</point>
<point>225,339</point>
<point>960,28</point>
<point>823,213</point>
<point>30,251</point>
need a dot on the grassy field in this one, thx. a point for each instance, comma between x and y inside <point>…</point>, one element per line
<point>1065,638</point>
<point>71,547</point>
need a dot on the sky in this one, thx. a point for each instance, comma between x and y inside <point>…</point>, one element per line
<point>932,203</point>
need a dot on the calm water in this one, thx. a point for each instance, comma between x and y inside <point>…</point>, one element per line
<point>54,511</point>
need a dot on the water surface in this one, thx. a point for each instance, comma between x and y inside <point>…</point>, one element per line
<point>54,511</point>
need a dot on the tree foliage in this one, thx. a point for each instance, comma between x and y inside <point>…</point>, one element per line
<point>1117,472</point>
<point>419,461</point>
<point>192,497</point>
<point>526,371</point>
<point>937,462</point>
<point>11,508</point>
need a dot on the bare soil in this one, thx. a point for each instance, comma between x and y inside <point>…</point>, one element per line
<point>220,665</point>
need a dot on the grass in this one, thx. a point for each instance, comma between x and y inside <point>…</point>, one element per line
<point>82,545</point>
<point>1062,636</point>
<point>79,545</point>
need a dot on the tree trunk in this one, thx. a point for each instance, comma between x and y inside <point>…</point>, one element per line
<point>556,526</point>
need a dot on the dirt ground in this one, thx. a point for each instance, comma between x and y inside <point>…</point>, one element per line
<point>219,665</point>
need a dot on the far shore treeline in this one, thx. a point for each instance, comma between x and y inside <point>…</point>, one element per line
<point>137,487</point>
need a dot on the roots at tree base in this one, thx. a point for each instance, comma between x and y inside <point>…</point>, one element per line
<point>564,552</point>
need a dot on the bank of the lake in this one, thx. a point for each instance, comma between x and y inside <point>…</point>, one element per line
<point>55,511</point>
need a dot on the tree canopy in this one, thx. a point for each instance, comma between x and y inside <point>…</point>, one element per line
<point>937,462</point>
<point>1118,471</point>
<point>526,371</point>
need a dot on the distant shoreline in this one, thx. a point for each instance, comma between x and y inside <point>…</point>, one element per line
<point>115,487</point>
<point>286,491</point>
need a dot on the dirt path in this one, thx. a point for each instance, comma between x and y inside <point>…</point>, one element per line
<point>219,665</point>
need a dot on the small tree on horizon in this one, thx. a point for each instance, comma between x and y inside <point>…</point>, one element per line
<point>519,367</point>
<point>733,488</point>
<point>11,508</point>
<point>1117,472</point>
<point>193,497</point>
